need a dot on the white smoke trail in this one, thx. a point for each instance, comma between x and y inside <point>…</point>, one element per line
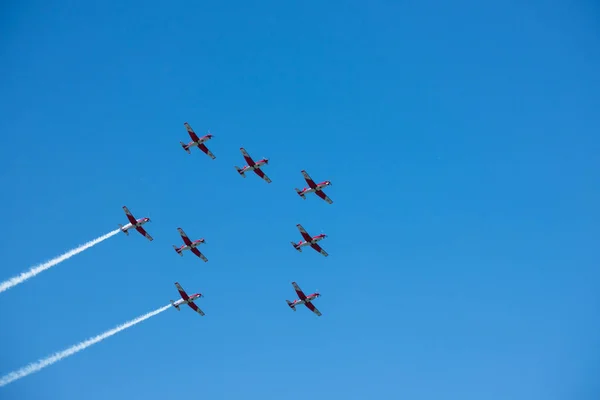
<point>48,264</point>
<point>56,357</point>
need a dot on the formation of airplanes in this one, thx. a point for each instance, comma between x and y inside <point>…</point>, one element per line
<point>251,166</point>
<point>302,299</point>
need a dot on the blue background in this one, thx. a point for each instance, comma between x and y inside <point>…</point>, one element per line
<point>462,142</point>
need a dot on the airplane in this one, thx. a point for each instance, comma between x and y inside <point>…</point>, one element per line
<point>317,188</point>
<point>189,245</point>
<point>309,241</point>
<point>135,223</point>
<point>196,141</point>
<point>185,299</point>
<point>304,299</point>
<point>253,166</point>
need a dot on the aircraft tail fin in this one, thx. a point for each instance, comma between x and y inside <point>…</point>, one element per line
<point>292,306</point>
<point>173,304</point>
<point>124,231</point>
<point>185,147</point>
<point>296,247</point>
<point>177,250</point>
<point>300,193</point>
<point>239,170</point>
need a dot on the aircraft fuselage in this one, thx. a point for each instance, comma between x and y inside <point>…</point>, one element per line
<point>313,241</point>
<point>200,141</point>
<point>256,165</point>
<point>319,187</point>
<point>191,246</point>
<point>182,301</point>
<point>308,299</point>
<point>179,302</point>
<point>139,222</point>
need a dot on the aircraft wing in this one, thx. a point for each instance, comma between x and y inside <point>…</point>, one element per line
<point>182,292</point>
<point>312,308</point>
<point>143,232</point>
<point>260,173</point>
<point>323,196</point>
<point>196,308</point>
<point>303,232</point>
<point>191,132</point>
<point>319,249</point>
<point>197,252</point>
<point>129,215</point>
<point>205,149</point>
<point>247,157</point>
<point>308,179</point>
<point>185,237</point>
<point>299,291</point>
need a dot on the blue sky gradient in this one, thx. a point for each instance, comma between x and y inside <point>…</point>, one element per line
<point>462,142</point>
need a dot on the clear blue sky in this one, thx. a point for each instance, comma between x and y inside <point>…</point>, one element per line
<point>462,141</point>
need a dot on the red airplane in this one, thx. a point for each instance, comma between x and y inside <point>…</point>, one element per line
<point>304,299</point>
<point>196,141</point>
<point>185,299</point>
<point>135,223</point>
<point>189,245</point>
<point>253,166</point>
<point>314,187</point>
<point>309,241</point>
